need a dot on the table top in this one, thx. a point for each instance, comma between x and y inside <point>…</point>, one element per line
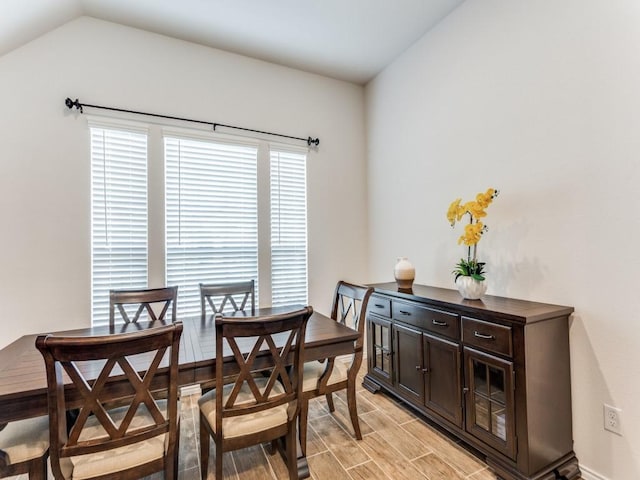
<point>23,380</point>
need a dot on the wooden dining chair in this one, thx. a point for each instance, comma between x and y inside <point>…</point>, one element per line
<point>223,297</point>
<point>24,448</point>
<point>332,375</point>
<point>262,403</point>
<point>124,443</point>
<point>144,299</point>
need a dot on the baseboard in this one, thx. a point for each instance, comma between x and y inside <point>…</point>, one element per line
<point>190,390</point>
<point>588,474</point>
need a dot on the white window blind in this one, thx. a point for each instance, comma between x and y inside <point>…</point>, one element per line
<point>288,228</point>
<point>118,215</point>
<point>211,216</point>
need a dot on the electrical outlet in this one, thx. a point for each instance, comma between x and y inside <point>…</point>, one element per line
<point>613,419</point>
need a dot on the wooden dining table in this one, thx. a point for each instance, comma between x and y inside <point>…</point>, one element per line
<point>23,383</point>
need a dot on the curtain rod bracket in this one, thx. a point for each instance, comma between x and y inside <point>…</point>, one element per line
<point>79,106</point>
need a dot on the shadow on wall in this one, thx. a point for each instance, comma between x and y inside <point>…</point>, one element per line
<point>508,271</point>
<point>597,450</point>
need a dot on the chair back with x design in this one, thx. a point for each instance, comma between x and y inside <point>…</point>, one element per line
<point>97,367</point>
<point>349,307</point>
<point>269,344</point>
<point>144,299</point>
<point>224,297</point>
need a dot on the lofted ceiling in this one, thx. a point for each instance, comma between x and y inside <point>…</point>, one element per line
<point>350,40</point>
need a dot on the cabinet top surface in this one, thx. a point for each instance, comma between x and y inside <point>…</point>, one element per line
<point>516,310</point>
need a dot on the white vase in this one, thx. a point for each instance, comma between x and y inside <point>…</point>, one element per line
<point>404,273</point>
<point>470,288</point>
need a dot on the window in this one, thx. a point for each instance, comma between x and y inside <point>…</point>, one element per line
<point>211,216</point>
<point>232,211</point>
<point>118,215</point>
<point>288,228</point>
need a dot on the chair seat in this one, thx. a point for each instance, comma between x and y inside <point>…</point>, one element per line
<point>118,459</point>
<point>314,370</point>
<point>244,424</point>
<point>25,439</point>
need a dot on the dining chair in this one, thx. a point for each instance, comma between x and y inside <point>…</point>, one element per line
<point>127,442</point>
<point>224,296</point>
<point>24,448</point>
<point>262,403</point>
<point>144,299</point>
<point>332,375</point>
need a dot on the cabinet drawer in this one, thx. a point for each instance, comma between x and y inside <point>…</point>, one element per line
<point>380,305</point>
<point>487,336</point>
<point>436,321</point>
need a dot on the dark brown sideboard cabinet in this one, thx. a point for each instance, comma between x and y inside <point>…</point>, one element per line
<point>494,372</point>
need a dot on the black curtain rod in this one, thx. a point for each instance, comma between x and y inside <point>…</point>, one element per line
<point>79,106</point>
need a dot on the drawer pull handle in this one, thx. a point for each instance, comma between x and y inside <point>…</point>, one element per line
<point>423,370</point>
<point>438,323</point>
<point>378,305</point>
<point>483,336</point>
<point>402,312</point>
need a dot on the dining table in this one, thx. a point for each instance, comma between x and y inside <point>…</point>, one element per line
<point>23,382</point>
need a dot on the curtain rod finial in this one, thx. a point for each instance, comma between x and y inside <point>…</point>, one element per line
<point>71,103</point>
<point>313,141</point>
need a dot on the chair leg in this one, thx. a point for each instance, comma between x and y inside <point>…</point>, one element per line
<point>219,455</point>
<point>274,447</point>
<point>204,449</point>
<point>38,468</point>
<point>292,451</point>
<point>302,422</point>
<point>171,470</point>
<point>353,409</point>
<point>332,408</point>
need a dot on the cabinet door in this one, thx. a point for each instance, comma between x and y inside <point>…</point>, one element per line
<point>409,380</point>
<point>379,349</point>
<point>443,385</point>
<point>490,400</point>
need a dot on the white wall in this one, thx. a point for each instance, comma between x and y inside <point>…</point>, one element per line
<point>44,154</point>
<point>540,99</point>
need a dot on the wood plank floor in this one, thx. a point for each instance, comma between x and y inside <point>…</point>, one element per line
<point>397,445</point>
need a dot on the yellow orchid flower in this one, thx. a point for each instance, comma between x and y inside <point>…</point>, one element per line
<point>485,199</point>
<point>472,234</point>
<point>453,212</point>
<point>475,209</point>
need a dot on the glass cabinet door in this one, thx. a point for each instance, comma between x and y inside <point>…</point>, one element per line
<point>380,362</point>
<point>490,401</point>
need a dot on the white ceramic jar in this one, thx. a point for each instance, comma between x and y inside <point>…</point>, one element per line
<point>404,273</point>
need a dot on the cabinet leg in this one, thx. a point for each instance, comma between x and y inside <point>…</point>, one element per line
<point>566,468</point>
<point>370,385</point>
<point>570,470</point>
